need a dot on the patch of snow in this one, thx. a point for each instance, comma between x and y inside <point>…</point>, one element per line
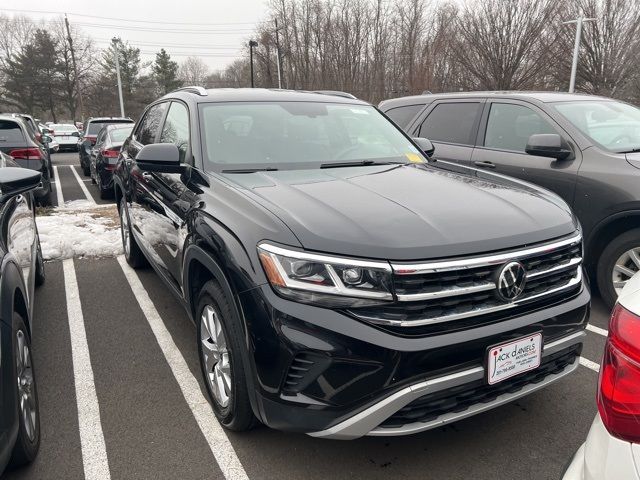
<point>80,229</point>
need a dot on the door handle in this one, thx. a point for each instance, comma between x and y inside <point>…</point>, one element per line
<point>147,176</point>
<point>485,164</point>
<point>19,199</point>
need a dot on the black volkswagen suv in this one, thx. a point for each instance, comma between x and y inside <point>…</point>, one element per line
<point>584,148</point>
<point>342,286</point>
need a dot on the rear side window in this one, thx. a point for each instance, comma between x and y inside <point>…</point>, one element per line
<point>401,116</point>
<point>510,126</point>
<point>176,128</point>
<point>11,134</point>
<point>452,123</point>
<point>148,128</point>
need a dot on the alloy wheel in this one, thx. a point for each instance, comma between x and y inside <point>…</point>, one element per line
<point>26,394</point>
<point>215,355</point>
<point>627,265</point>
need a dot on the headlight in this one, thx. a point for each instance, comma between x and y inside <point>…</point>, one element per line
<point>325,280</point>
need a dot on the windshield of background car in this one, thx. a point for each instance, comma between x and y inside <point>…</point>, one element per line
<point>120,134</point>
<point>295,135</point>
<point>613,125</point>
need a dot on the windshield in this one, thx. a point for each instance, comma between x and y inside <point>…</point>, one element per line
<point>120,134</point>
<point>613,125</point>
<point>294,135</point>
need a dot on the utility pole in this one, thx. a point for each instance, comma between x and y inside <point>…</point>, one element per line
<point>278,54</point>
<point>576,48</point>
<point>117,55</point>
<point>252,43</point>
<point>75,68</point>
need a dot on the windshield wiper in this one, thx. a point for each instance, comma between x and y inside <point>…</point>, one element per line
<point>250,170</point>
<point>633,150</point>
<point>357,164</point>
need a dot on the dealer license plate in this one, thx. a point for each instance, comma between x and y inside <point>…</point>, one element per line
<point>510,359</point>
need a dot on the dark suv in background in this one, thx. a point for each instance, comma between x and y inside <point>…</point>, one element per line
<point>341,286</point>
<point>88,139</point>
<point>584,148</point>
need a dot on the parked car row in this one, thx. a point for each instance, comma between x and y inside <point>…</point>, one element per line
<point>426,270</point>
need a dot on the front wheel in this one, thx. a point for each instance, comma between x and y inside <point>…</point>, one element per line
<point>132,252</point>
<point>28,440</point>
<point>620,260</point>
<point>219,346</point>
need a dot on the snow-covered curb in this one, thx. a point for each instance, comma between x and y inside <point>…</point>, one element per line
<point>79,229</point>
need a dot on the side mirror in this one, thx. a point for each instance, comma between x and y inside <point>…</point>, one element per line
<point>159,157</point>
<point>16,180</point>
<point>86,146</point>
<point>425,145</point>
<point>548,145</point>
<point>46,139</point>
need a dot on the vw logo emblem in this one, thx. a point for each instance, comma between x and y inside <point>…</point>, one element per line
<point>511,280</point>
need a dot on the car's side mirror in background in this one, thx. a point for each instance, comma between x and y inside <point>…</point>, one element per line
<point>425,145</point>
<point>86,146</point>
<point>548,145</point>
<point>159,157</point>
<point>46,139</point>
<point>16,180</point>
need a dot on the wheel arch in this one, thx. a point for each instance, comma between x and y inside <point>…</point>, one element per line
<point>606,231</point>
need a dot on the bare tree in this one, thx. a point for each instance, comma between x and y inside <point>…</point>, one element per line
<point>193,71</point>
<point>610,53</point>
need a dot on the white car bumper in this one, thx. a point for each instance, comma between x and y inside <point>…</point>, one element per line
<point>603,457</point>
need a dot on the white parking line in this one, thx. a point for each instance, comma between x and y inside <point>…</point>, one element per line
<point>82,185</point>
<point>58,187</point>
<point>217,439</point>
<point>589,364</point>
<point>94,452</point>
<point>598,330</point>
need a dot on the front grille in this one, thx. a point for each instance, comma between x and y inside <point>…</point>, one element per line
<point>446,291</point>
<point>429,407</point>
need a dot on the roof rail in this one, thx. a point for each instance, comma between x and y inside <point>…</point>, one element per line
<point>335,93</point>
<point>193,89</point>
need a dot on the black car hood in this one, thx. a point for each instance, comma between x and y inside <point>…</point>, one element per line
<point>405,212</point>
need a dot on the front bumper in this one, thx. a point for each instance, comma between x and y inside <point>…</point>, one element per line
<point>325,373</point>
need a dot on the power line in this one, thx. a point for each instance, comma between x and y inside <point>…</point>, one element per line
<point>126,19</point>
<point>135,43</point>
<point>164,30</point>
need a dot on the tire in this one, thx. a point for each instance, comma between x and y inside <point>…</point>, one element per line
<point>236,414</point>
<point>39,273</point>
<point>86,170</point>
<point>607,262</point>
<point>133,254</point>
<point>104,192</point>
<point>27,443</point>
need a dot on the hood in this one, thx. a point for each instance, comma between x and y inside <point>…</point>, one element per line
<point>405,212</point>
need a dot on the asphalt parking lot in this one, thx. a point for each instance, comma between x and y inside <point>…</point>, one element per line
<point>121,396</point>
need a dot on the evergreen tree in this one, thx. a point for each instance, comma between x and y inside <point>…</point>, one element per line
<point>165,72</point>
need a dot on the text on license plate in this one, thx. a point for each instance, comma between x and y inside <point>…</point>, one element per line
<point>515,357</point>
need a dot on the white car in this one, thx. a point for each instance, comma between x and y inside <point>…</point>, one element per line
<point>612,449</point>
<point>66,134</point>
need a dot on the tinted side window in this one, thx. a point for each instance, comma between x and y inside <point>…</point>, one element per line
<point>148,128</point>
<point>510,126</point>
<point>451,123</point>
<point>176,128</point>
<point>11,134</point>
<point>401,116</point>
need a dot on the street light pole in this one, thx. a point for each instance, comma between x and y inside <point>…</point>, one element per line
<point>117,55</point>
<point>252,43</point>
<point>278,55</point>
<point>576,48</point>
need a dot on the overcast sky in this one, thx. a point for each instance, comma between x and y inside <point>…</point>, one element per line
<point>228,24</point>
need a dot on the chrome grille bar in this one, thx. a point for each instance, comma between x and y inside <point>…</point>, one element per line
<point>482,261</point>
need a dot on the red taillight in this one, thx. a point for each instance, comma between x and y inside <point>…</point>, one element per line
<point>110,153</point>
<point>619,392</point>
<point>26,154</point>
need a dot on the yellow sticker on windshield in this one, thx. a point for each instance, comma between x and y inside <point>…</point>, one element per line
<point>414,158</point>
